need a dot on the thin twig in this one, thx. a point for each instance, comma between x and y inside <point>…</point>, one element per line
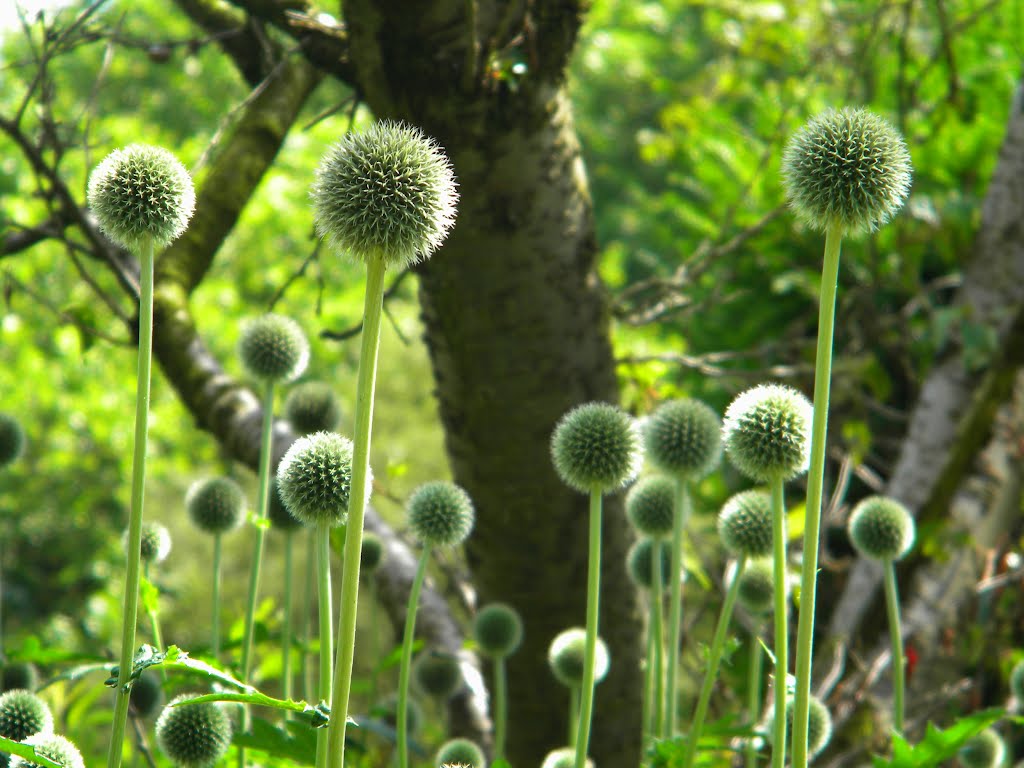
<point>355,330</point>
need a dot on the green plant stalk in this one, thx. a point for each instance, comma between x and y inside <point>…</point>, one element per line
<point>815,480</point>
<point>656,627</point>
<point>593,610</point>
<point>286,628</point>
<point>374,639</point>
<point>675,613</point>
<point>307,597</point>
<point>130,611</point>
<point>500,707</point>
<point>365,384</point>
<point>714,659</point>
<point>781,622</point>
<point>326,620</point>
<point>574,716</point>
<point>154,618</point>
<point>402,715</point>
<point>892,605</point>
<point>215,623</point>
<point>647,710</point>
<point>754,661</point>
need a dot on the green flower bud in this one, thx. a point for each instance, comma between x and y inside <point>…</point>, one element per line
<point>19,674</point>
<point>1017,681</point>
<point>12,439</point>
<point>460,752</point>
<point>23,714</point>
<point>596,447</point>
<point>440,514</point>
<point>51,746</point>
<point>565,657</point>
<point>193,735</point>
<point>147,696</point>
<point>563,758</point>
<point>846,167</point>
<point>986,750</point>
<point>387,711</point>
<point>640,566</point>
<point>156,542</point>
<point>881,528</point>
<point>650,505</point>
<point>437,674</point>
<point>756,591</point>
<point>498,630</point>
<point>767,432</point>
<point>683,438</point>
<point>315,478</point>
<point>371,554</point>
<point>387,193</point>
<point>280,517</point>
<point>141,192</point>
<point>273,348</point>
<point>819,725</point>
<point>745,524</point>
<point>312,406</point>
<point>215,504</point>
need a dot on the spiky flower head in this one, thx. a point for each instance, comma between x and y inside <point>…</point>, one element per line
<point>156,542</point>
<point>986,750</point>
<point>846,167</point>
<point>19,674</point>
<point>273,348</point>
<point>386,193</point>
<point>12,439</point>
<point>440,514</point>
<point>756,591</point>
<point>498,630</point>
<point>314,478</point>
<point>460,752</point>
<point>215,504</point>
<point>640,562</point>
<point>683,438</point>
<point>650,505</point>
<point>312,406</point>
<point>141,192</point>
<point>819,725</point>
<point>1017,681</point>
<point>193,735</point>
<point>745,524</point>
<point>767,432</point>
<point>52,746</point>
<point>565,657</point>
<point>371,553</point>
<point>23,714</point>
<point>563,758</point>
<point>388,708</point>
<point>596,447</point>
<point>437,674</point>
<point>280,517</point>
<point>147,696</point>
<point>881,528</point>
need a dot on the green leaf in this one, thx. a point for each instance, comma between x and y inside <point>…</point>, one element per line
<point>317,716</point>
<point>26,752</point>
<point>296,741</point>
<point>938,745</point>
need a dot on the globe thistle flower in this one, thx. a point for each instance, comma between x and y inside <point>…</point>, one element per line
<point>563,758</point>
<point>881,528</point>
<point>388,709</point>
<point>650,505</point>
<point>215,504</point>
<point>141,193</point>
<point>437,674</point>
<point>986,750</point>
<point>847,168</point>
<point>23,714</point>
<point>565,657</point>
<point>683,438</point>
<point>756,590</point>
<point>193,735</point>
<point>12,439</point>
<point>273,348</point>
<point>640,566</point>
<point>498,630</point>
<point>312,406</point>
<point>440,514</point>
<point>460,752</point>
<point>279,516</point>
<point>19,674</point>
<point>156,543</point>
<point>371,553</point>
<point>819,725</point>
<point>147,696</point>
<point>52,746</point>
<point>314,478</point>
<point>767,432</point>
<point>386,193</point>
<point>745,524</point>
<point>596,447</point>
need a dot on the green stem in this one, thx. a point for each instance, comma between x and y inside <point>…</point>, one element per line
<point>371,588</point>
<point>593,606</point>
<point>215,624</point>
<point>154,617</point>
<point>130,612</point>
<point>286,628</point>
<point>500,707</point>
<point>675,616</point>
<point>365,383</point>
<point>892,604</point>
<point>657,630</point>
<point>323,572</point>
<point>714,658</point>
<point>402,716</point>
<point>781,622</point>
<point>647,711</point>
<point>754,661</point>
<point>815,480</point>
<point>307,599</point>
<point>574,715</point>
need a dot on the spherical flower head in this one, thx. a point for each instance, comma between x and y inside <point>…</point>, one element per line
<point>312,406</point>
<point>440,514</point>
<point>315,478</point>
<point>847,168</point>
<point>881,528</point>
<point>371,553</point>
<point>215,504</point>
<point>498,630</point>
<point>388,709</point>
<point>597,447</point>
<point>280,518</point>
<point>140,193</point>
<point>386,193</point>
<point>767,432</point>
<point>54,747</point>
<point>563,758</point>
<point>23,714</point>
<point>437,674</point>
<point>193,735</point>
<point>565,657</point>
<point>986,750</point>
<point>683,438</point>
<point>460,752</point>
<point>156,543</point>
<point>1016,681</point>
<point>147,696</point>
<point>756,591</point>
<point>640,562</point>
<point>650,505</point>
<point>745,524</point>
<point>819,725</point>
<point>273,348</point>
<point>12,439</point>
<point>19,674</point>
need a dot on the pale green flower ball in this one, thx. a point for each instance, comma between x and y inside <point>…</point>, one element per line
<point>650,505</point>
<point>597,447</point>
<point>312,406</point>
<point>881,528</point>
<point>193,735</point>
<point>640,562</point>
<point>215,504</point>
<point>440,514</point>
<point>54,747</point>
<point>986,750</point>
<point>498,630</point>
<point>273,348</point>
<point>460,752</point>
<point>745,524</point>
<point>437,674</point>
<point>683,438</point>
<point>563,758</point>
<point>767,432</point>
<point>756,591</point>
<point>12,439</point>
<point>314,478</point>
<point>565,657</point>
<point>23,714</point>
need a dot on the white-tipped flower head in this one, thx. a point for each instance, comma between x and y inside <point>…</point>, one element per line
<point>819,725</point>
<point>767,432</point>
<point>683,438</point>
<point>12,439</point>
<point>846,167</point>
<point>440,514</point>
<point>745,524</point>
<point>650,505</point>
<point>19,674</point>
<point>756,591</point>
<point>280,518</point>
<point>640,562</point>
<point>563,758</point>
<point>597,447</point>
<point>54,747</point>
<point>193,735</point>
<point>147,696</point>
<point>986,750</point>
<point>314,478</point>
<point>141,192</point>
<point>23,714</point>
<point>565,657</point>
<point>371,553</point>
<point>498,630</point>
<point>273,348</point>
<point>386,193</point>
<point>312,406</point>
<point>460,752</point>
<point>156,542</point>
<point>437,674</point>
<point>881,528</point>
<point>215,504</point>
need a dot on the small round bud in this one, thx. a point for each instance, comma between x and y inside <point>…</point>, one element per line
<point>1016,681</point>
<point>437,674</point>
<point>388,709</point>
<point>371,554</point>
<point>650,505</point>
<point>498,630</point>
<point>273,348</point>
<point>23,714</point>
<point>312,406</point>
<point>767,432</point>
<point>12,439</point>
<point>745,524</point>
<point>986,750</point>
<point>440,514</point>
<point>19,674</point>
<point>215,504</point>
<point>683,438</point>
<point>596,447</point>
<point>51,746</point>
<point>156,542</point>
<point>563,758</point>
<point>140,193</point>
<point>881,528</point>
<point>756,591</point>
<point>460,752</point>
<point>280,517</point>
<point>147,696</point>
<point>846,167</point>
<point>565,657</point>
<point>193,735</point>
<point>385,193</point>
<point>819,725</point>
<point>314,478</point>
<point>640,566</point>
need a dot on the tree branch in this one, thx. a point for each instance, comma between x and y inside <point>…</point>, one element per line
<point>235,37</point>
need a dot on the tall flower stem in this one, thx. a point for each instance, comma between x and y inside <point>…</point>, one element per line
<point>307,598</point>
<point>675,612</point>
<point>593,609</point>
<point>130,611</point>
<point>500,707</point>
<point>647,728</point>
<point>402,716</point>
<point>781,622</point>
<point>815,480</point>
<point>323,571</point>
<point>574,716</point>
<point>286,628</point>
<point>892,605</point>
<point>365,383</point>
<point>215,622</point>
<point>754,659</point>
<point>654,661</point>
